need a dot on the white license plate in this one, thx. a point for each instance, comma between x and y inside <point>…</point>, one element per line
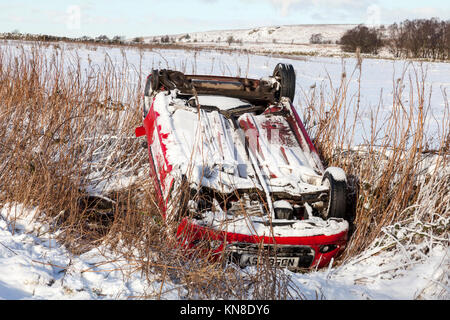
<point>284,262</point>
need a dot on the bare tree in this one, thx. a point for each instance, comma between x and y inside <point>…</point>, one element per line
<point>368,40</point>
<point>230,40</point>
<point>316,38</point>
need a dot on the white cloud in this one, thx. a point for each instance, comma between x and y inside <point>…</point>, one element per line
<point>400,14</point>
<point>285,6</point>
<point>370,12</point>
<point>326,11</point>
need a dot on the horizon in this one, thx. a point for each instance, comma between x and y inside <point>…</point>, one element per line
<point>138,18</point>
<point>206,31</point>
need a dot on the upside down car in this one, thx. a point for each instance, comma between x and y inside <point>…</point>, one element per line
<point>251,176</point>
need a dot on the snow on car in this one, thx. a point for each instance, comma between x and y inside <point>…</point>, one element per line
<point>251,177</point>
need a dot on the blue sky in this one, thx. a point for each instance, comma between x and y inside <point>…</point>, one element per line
<point>132,18</point>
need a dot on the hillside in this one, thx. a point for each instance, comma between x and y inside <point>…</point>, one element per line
<point>290,34</point>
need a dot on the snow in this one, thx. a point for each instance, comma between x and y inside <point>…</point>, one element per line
<point>34,265</point>
<point>314,226</point>
<point>223,103</point>
<point>192,149</point>
<point>288,34</point>
<point>337,173</point>
<point>382,277</point>
<point>282,204</point>
<point>208,150</point>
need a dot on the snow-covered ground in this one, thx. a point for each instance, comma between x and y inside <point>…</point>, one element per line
<point>33,265</point>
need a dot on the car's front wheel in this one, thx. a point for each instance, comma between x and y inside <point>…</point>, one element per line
<point>336,180</point>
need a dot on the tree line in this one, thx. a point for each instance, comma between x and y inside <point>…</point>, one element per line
<point>419,38</point>
<point>16,35</point>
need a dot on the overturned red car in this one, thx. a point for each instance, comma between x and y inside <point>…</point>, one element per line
<point>251,177</point>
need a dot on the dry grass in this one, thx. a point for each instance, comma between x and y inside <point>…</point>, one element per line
<point>66,132</point>
<point>67,139</point>
<point>397,163</point>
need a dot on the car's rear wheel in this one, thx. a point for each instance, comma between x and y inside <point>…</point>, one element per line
<point>336,180</point>
<point>151,85</point>
<point>155,80</point>
<point>286,75</point>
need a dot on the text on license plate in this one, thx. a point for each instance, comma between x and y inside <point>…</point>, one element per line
<point>251,260</point>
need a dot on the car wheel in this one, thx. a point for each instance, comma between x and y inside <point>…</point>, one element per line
<point>286,75</point>
<point>151,85</point>
<point>147,92</point>
<point>148,86</point>
<point>336,180</point>
<point>155,80</point>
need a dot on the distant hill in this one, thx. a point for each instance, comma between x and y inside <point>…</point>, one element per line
<point>289,34</point>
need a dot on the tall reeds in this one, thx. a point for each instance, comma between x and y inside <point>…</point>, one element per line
<point>67,148</point>
<point>398,159</point>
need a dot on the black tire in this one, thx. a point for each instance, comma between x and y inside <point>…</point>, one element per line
<point>147,92</point>
<point>155,80</point>
<point>148,86</point>
<point>337,200</point>
<point>151,85</point>
<point>286,73</point>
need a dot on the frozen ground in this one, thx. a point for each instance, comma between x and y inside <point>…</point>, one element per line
<point>34,266</point>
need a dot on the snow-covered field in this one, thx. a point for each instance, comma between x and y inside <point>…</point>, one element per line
<point>289,34</point>
<point>33,265</point>
<point>276,40</point>
<point>289,39</point>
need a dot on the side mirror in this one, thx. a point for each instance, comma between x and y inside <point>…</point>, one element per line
<point>139,131</point>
